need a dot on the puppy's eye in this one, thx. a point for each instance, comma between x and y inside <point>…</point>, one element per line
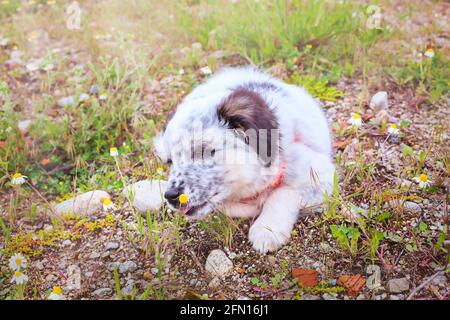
<point>213,152</point>
<point>169,161</point>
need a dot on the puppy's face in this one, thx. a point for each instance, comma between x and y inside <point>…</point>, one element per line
<point>212,162</point>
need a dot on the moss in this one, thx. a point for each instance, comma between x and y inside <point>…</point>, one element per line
<point>318,88</point>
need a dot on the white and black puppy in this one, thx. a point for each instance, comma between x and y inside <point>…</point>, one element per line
<point>248,145</point>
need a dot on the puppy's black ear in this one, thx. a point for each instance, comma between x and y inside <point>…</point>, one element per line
<point>246,111</point>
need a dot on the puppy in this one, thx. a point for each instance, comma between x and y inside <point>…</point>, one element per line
<point>251,146</point>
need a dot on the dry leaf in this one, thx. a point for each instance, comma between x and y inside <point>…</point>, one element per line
<point>306,277</point>
<point>240,270</point>
<point>45,161</point>
<point>340,145</point>
<point>352,283</point>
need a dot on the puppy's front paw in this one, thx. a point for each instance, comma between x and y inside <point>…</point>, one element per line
<point>265,238</point>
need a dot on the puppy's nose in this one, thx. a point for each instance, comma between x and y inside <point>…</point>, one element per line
<point>172,195</point>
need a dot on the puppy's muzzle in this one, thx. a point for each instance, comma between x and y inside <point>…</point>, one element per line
<point>172,196</point>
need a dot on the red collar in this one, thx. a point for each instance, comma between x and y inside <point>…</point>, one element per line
<point>270,187</point>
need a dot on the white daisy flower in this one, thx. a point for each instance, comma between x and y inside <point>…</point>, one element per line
<point>429,53</point>
<point>422,180</point>
<point>19,277</point>
<point>56,294</point>
<point>107,204</point>
<point>113,152</point>
<point>181,72</point>
<point>18,178</point>
<point>393,129</point>
<point>355,120</point>
<point>17,262</point>
<point>103,96</point>
<point>206,70</point>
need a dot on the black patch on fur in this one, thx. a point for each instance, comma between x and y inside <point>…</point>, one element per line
<point>245,109</point>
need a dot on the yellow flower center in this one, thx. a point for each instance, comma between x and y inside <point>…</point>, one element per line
<point>160,169</point>
<point>430,50</point>
<point>356,116</point>
<point>18,262</point>
<point>57,290</point>
<point>183,198</point>
<point>113,149</point>
<point>17,274</point>
<point>393,126</point>
<point>107,201</point>
<point>423,177</point>
<point>17,175</point>
<point>309,46</point>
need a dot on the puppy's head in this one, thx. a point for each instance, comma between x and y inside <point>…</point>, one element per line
<point>221,155</point>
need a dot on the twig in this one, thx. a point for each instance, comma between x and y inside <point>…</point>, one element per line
<point>423,284</point>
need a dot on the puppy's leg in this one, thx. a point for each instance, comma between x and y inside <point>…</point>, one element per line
<point>240,210</point>
<point>313,176</point>
<point>273,227</point>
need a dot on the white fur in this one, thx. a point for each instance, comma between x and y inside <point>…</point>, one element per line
<point>309,171</point>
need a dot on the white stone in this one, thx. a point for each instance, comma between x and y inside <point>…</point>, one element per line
<point>215,282</point>
<point>66,101</point>
<point>218,263</point>
<point>128,266</point>
<point>24,125</point>
<point>103,292</point>
<point>146,194</point>
<point>84,204</point>
<point>379,101</point>
<point>66,243</point>
<point>398,285</point>
<point>412,207</point>
<point>112,245</point>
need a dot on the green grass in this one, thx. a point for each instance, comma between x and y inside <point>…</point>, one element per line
<point>317,43</point>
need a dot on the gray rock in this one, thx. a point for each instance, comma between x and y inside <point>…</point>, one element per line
<point>127,290</point>
<point>24,125</point>
<point>94,255</point>
<point>103,292</point>
<point>440,281</point>
<point>39,265</point>
<point>15,59</point>
<point>146,194</point>
<point>112,245</point>
<point>398,285</point>
<point>218,263</point>
<point>397,297</point>
<point>214,283</point>
<point>4,42</point>
<point>412,207</point>
<point>374,280</point>
<point>127,266</point>
<point>154,271</point>
<point>84,204</point>
<point>328,296</point>
<point>219,54</point>
<point>193,282</point>
<point>308,296</point>
<point>66,101</point>
<point>93,89</point>
<point>379,101</point>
